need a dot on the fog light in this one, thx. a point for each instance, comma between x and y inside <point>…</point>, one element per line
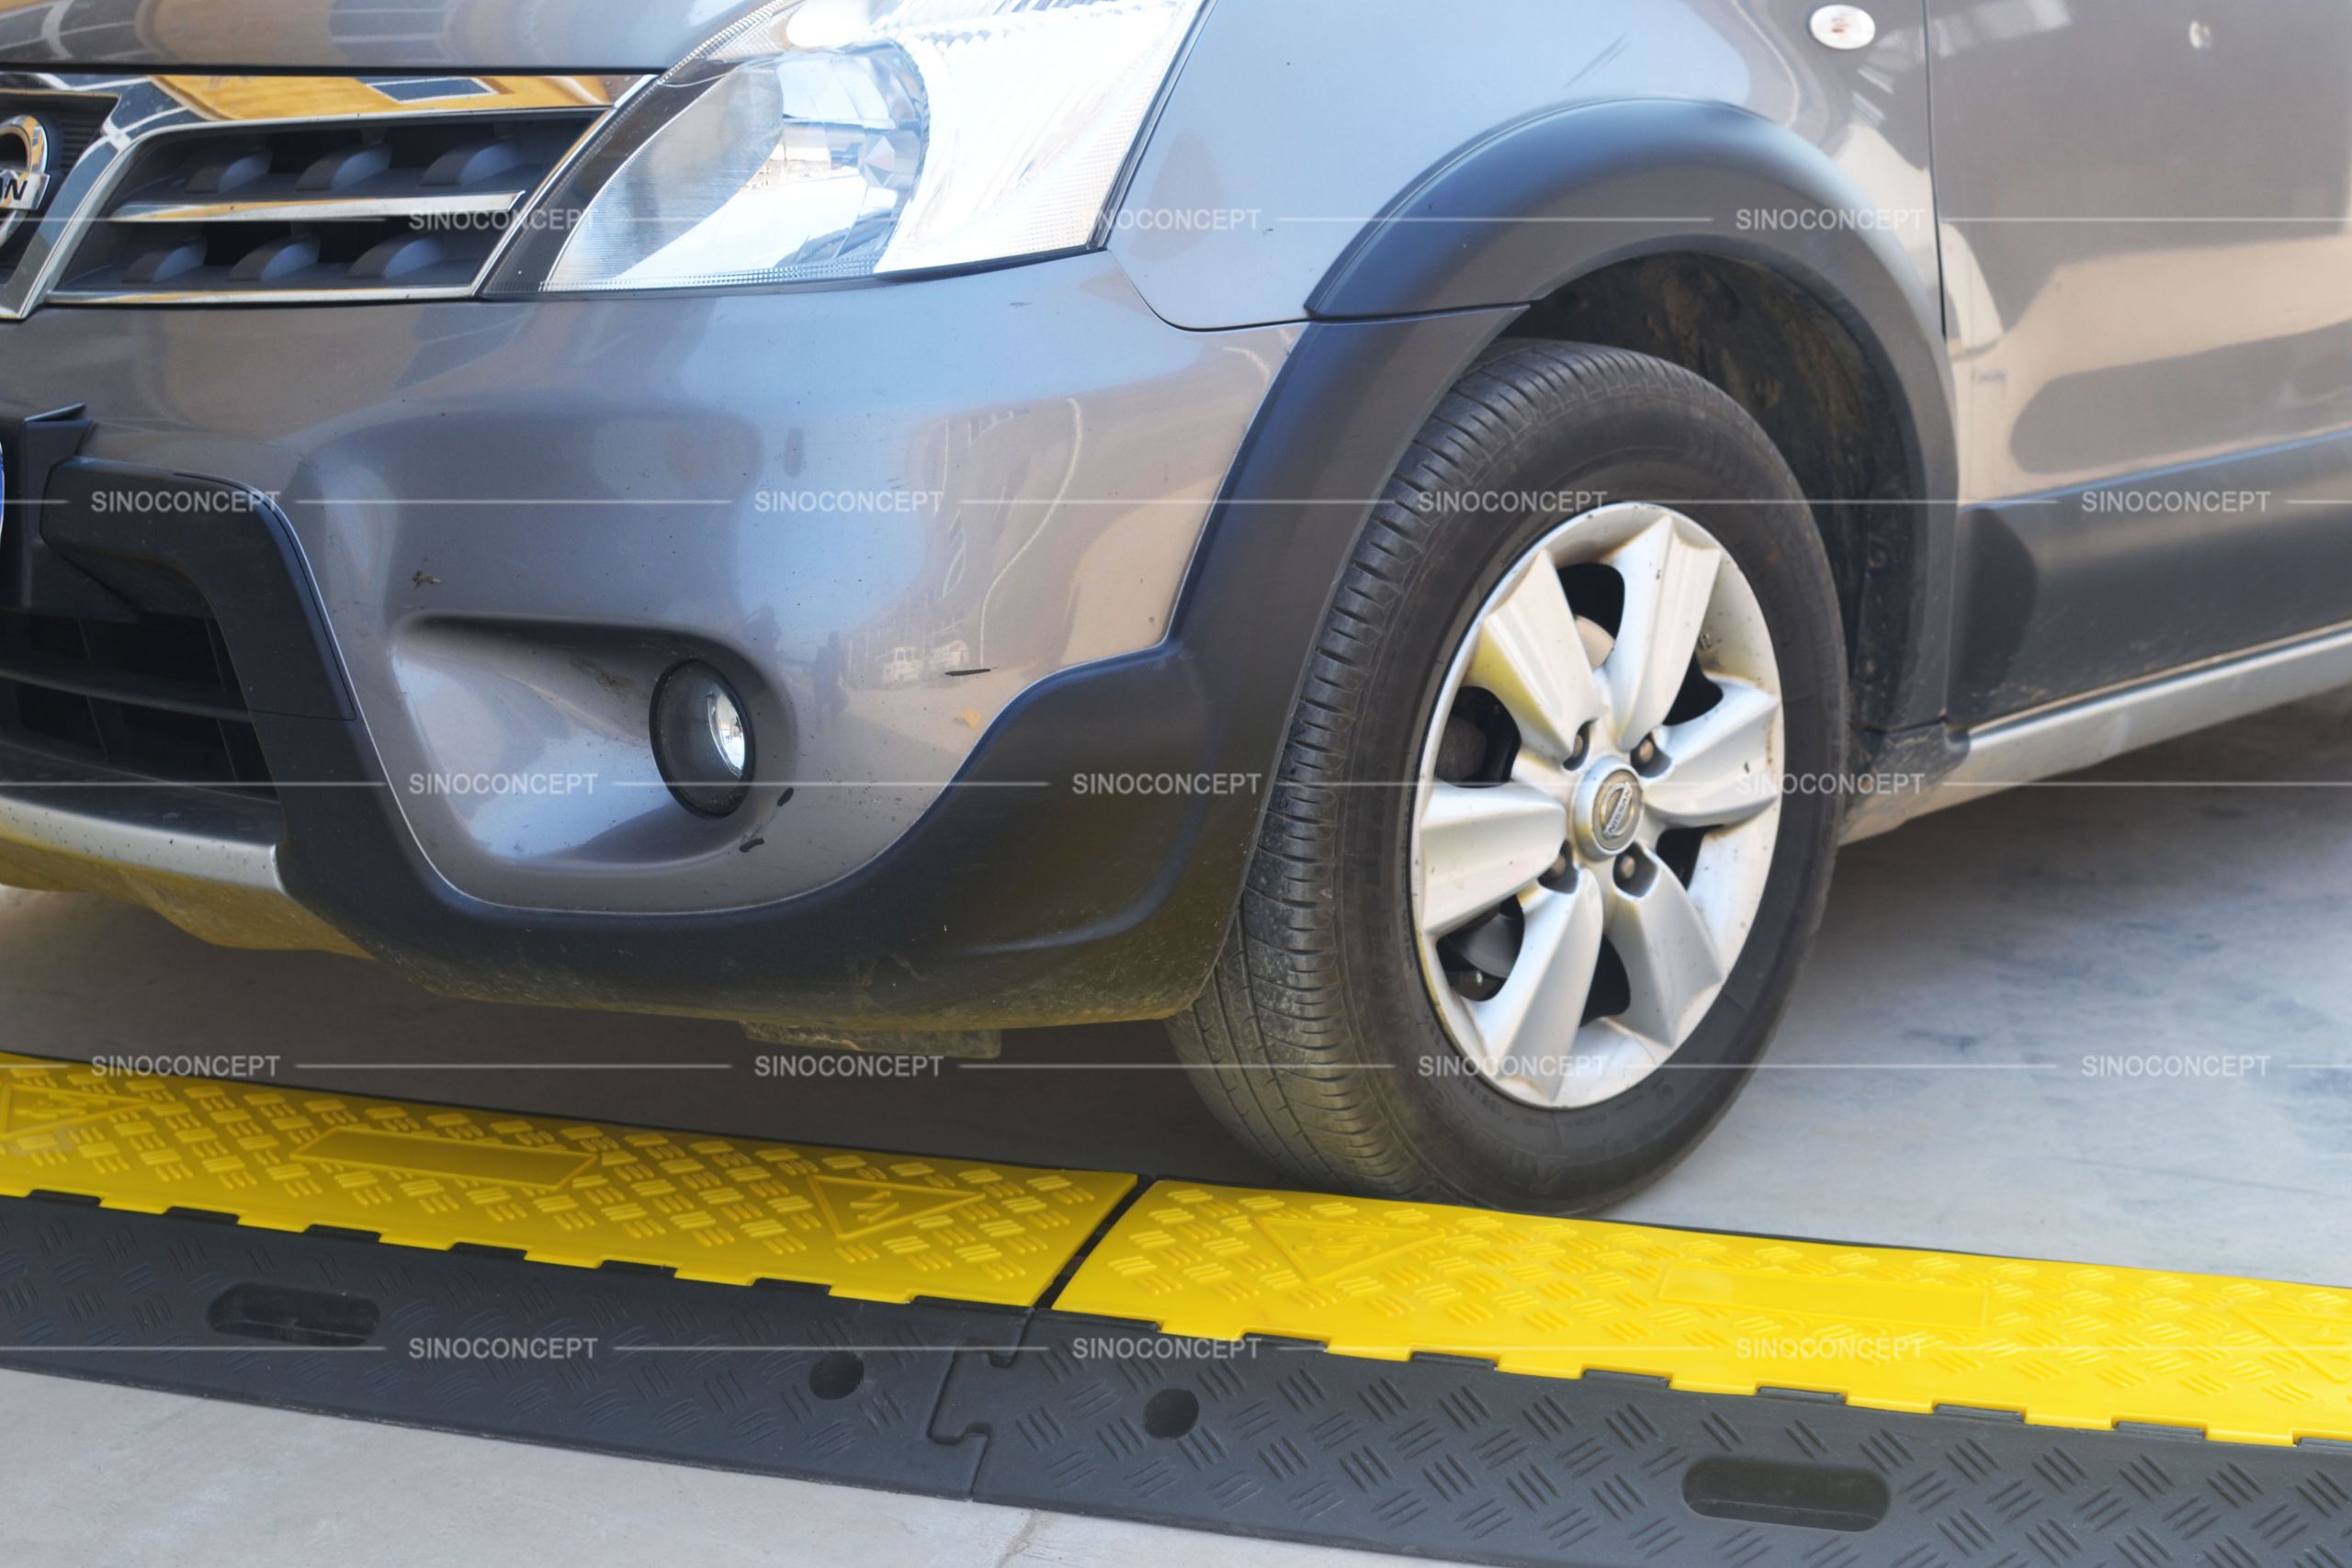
<point>702,739</point>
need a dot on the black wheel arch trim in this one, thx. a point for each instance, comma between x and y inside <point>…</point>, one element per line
<point>1525,211</point>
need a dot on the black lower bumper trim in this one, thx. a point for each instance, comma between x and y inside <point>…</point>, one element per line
<point>1047,1410</point>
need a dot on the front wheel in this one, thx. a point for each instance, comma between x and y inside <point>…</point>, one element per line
<point>1533,887</point>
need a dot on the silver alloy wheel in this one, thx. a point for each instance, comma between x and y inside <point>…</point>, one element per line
<point>1614,848</point>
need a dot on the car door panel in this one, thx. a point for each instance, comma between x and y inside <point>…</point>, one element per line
<point>2147,214</point>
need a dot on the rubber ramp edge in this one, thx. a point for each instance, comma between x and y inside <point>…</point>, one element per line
<point>1049,1409</point>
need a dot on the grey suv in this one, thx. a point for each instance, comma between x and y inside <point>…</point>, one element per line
<point>1398,539</point>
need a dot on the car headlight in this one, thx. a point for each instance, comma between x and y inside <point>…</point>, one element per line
<point>833,138</point>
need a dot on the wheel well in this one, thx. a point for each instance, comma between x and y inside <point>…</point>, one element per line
<point>1801,374</point>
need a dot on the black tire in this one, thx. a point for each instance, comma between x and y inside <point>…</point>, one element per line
<point>1318,1034</point>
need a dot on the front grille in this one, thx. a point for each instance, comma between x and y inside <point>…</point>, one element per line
<point>157,697</point>
<point>389,206</point>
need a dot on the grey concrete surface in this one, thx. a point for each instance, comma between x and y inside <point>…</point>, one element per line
<point>2008,1042</point>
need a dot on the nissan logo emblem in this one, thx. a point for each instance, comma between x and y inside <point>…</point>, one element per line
<point>24,171</point>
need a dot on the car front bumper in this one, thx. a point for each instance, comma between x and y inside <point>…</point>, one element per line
<point>1017,579</point>
<point>886,512</point>
<point>516,517</point>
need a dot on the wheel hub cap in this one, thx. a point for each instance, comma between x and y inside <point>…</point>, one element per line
<point>1609,811</point>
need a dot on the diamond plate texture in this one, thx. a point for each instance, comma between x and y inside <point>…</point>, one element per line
<point>1048,1410</point>
<point>1441,1459</point>
<point>2063,1345</point>
<point>703,1374</point>
<point>880,1227</point>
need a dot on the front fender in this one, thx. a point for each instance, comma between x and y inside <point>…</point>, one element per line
<point>1526,211</point>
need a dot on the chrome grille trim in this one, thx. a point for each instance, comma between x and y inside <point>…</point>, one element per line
<point>317,210</point>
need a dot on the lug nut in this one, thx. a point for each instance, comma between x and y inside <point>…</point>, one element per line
<point>1629,869</point>
<point>1645,753</point>
<point>1582,748</point>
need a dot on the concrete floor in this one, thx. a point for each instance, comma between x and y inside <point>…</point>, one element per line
<point>1931,1087</point>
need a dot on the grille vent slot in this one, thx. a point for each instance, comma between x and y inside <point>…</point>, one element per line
<point>156,696</point>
